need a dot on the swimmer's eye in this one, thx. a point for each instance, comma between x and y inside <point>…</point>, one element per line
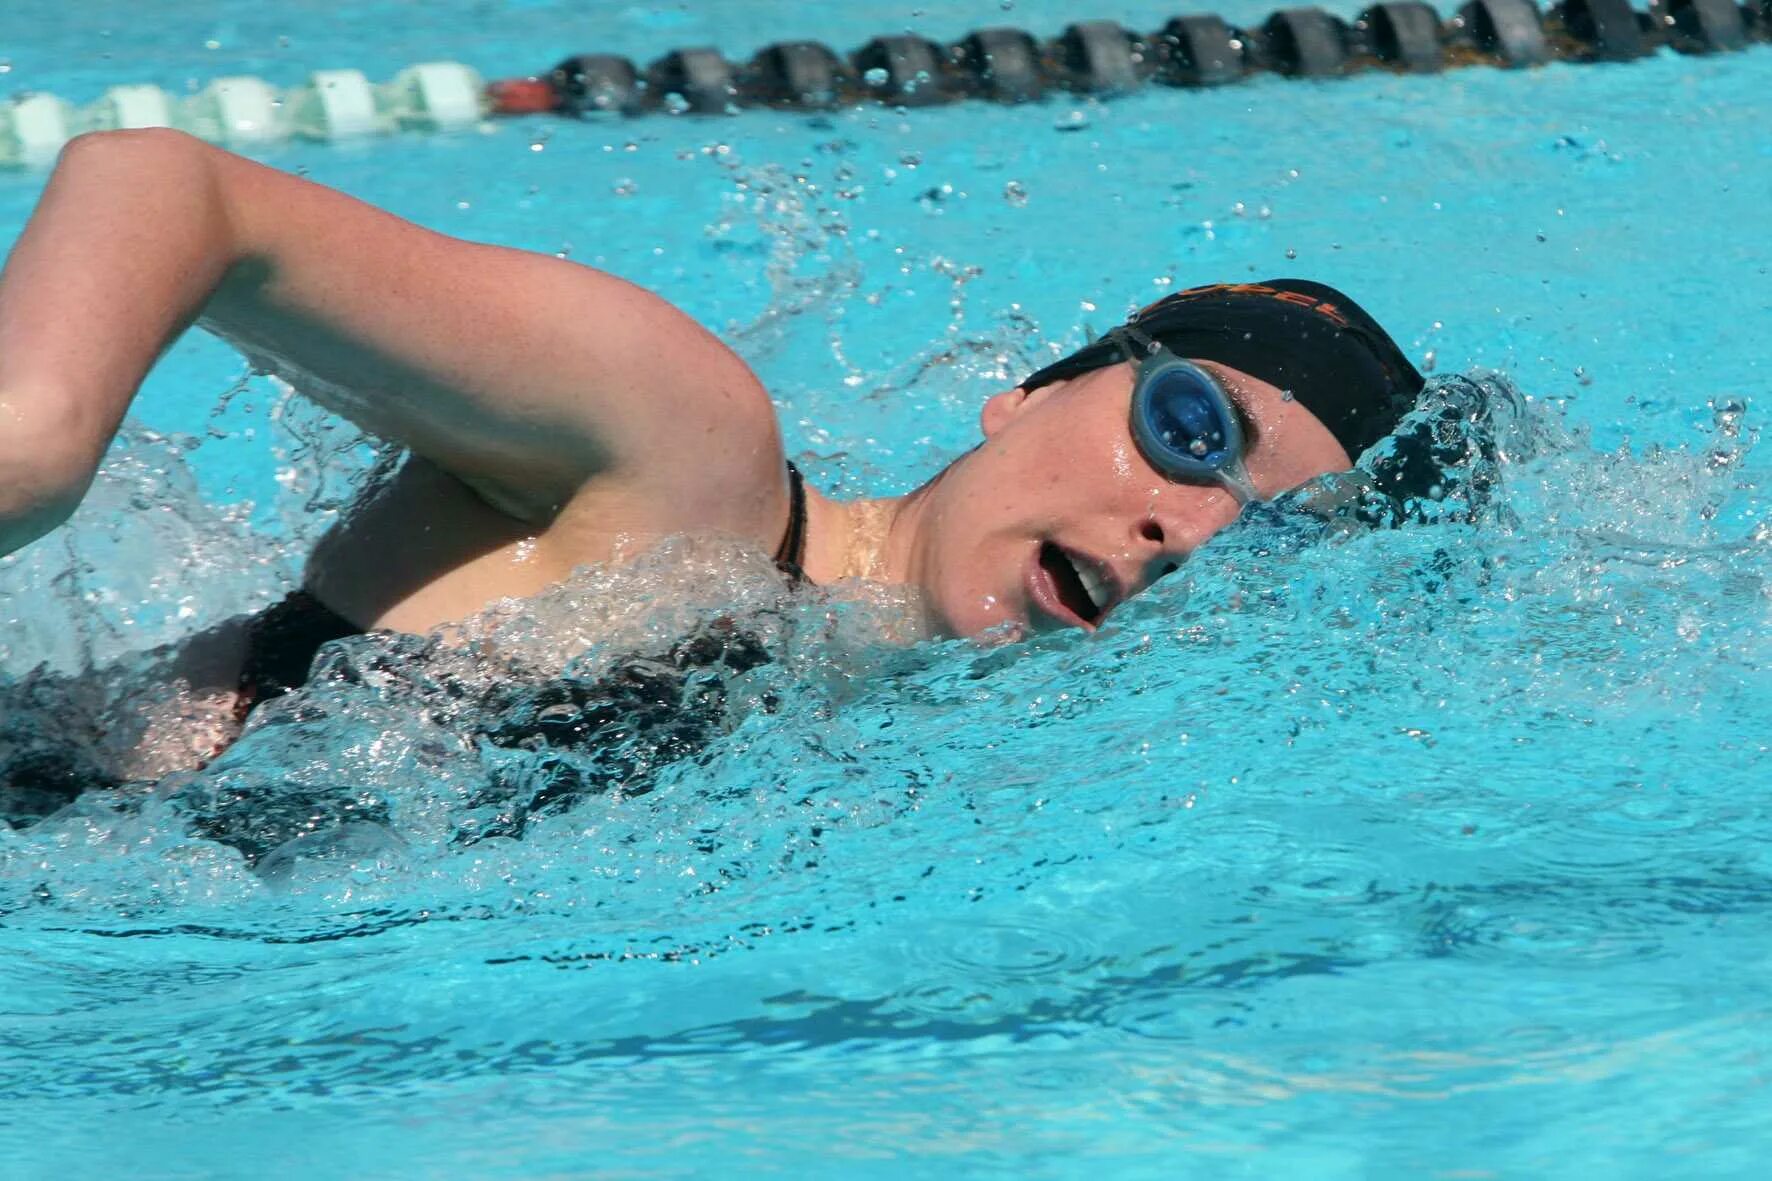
<point>1194,413</point>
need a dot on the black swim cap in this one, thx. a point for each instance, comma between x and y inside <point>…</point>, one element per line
<point>1300,336</point>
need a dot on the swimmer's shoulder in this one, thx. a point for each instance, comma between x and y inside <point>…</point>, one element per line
<point>709,458</point>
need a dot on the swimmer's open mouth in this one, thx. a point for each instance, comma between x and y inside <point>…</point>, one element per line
<point>1084,590</point>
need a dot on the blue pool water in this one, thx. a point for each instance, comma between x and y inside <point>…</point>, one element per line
<point>1437,852</point>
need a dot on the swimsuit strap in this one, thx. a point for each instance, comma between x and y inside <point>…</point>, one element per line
<point>792,550</point>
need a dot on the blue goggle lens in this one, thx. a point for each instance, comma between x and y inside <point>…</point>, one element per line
<point>1184,413</point>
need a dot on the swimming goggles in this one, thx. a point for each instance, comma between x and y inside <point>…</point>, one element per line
<point>1182,418</point>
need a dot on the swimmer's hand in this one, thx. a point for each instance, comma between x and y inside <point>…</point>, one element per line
<point>530,378</point>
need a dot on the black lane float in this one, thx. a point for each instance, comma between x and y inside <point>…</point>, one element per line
<point>1104,58</point>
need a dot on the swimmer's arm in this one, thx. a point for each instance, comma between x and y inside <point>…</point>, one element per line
<point>523,374</point>
<point>108,271</point>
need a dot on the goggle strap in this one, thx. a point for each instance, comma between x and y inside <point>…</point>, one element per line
<point>1126,331</point>
<point>1235,478</point>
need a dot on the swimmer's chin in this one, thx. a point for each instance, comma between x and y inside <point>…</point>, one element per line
<point>1010,631</point>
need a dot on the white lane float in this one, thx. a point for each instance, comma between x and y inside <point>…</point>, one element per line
<point>244,111</point>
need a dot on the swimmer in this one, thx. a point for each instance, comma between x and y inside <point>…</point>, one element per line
<point>550,410</point>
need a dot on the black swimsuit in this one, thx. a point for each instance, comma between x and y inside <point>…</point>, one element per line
<point>579,736</point>
<point>282,640</point>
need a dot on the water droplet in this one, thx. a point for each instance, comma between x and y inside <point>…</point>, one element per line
<point>1006,5</point>
<point>1087,305</point>
<point>1264,213</point>
<point>1015,193</point>
<point>1291,253</point>
<point>1072,120</point>
<point>1286,396</point>
<point>1541,235</point>
<point>1428,360</point>
<point>675,103</point>
<point>1239,209</point>
<point>911,159</point>
<point>878,76</point>
<point>212,44</point>
<point>625,187</point>
<point>1727,419</point>
<point>1439,324</point>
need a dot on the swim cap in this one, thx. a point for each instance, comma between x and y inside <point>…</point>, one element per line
<point>1303,337</point>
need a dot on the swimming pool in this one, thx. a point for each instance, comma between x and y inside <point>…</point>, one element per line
<point>1434,852</point>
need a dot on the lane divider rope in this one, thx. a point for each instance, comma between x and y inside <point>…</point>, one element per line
<point>1002,64</point>
<point>241,111</point>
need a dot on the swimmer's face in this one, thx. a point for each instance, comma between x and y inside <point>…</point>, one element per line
<point>1057,517</point>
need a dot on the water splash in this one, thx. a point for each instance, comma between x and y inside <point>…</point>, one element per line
<point>412,747</point>
<point>144,560</point>
<point>809,264</point>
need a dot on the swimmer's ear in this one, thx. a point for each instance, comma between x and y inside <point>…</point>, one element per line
<point>1000,409</point>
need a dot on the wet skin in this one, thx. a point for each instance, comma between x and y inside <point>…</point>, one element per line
<point>1059,468</point>
<point>992,542</point>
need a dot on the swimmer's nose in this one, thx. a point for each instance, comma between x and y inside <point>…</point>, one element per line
<point>1160,557</point>
<point>1166,536</point>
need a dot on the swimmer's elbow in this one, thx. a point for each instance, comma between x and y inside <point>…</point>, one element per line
<point>162,142</point>
<point>131,165</point>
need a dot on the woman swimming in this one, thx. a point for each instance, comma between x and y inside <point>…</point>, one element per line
<point>551,410</point>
